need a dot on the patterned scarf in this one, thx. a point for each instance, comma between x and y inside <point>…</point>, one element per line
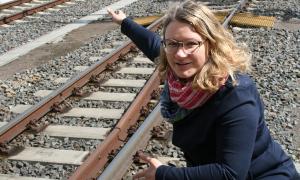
<point>178,100</point>
<point>184,95</point>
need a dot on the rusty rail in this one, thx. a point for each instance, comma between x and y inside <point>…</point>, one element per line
<point>96,161</point>
<point>13,3</point>
<point>18,125</point>
<point>28,12</point>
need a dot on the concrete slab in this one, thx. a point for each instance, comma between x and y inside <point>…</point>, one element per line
<point>5,25</point>
<point>136,71</point>
<point>21,8</point>
<point>59,33</point>
<point>19,21</point>
<point>142,60</point>
<point>80,68</point>
<point>124,83</point>
<point>42,93</point>
<point>94,59</point>
<point>51,155</point>
<point>33,17</point>
<point>76,132</point>
<point>2,124</point>
<point>104,96</point>
<point>10,11</point>
<point>94,113</point>
<point>13,177</point>
<point>32,4</point>
<point>61,80</point>
<point>5,1</point>
<point>53,9</point>
<point>2,15</point>
<point>42,13</point>
<point>61,6</point>
<point>107,50</point>
<point>70,3</point>
<point>19,108</point>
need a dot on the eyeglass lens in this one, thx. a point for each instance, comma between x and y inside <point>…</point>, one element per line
<point>189,46</point>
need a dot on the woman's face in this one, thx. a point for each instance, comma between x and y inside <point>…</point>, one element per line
<point>183,64</point>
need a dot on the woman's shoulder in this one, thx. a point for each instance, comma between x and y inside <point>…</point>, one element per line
<point>243,90</point>
<point>242,81</point>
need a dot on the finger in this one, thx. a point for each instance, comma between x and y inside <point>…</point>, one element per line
<point>110,11</point>
<point>143,157</point>
<point>140,174</point>
<point>152,161</point>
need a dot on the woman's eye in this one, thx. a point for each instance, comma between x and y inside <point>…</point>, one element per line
<point>172,44</point>
<point>191,43</point>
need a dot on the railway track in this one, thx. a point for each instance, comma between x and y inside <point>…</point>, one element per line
<point>19,9</point>
<point>95,108</point>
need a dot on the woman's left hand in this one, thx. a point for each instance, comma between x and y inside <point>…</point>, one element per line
<point>148,174</point>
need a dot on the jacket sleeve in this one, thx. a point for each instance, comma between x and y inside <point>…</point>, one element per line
<point>235,141</point>
<point>147,41</point>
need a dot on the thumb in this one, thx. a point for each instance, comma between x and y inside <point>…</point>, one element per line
<point>152,161</point>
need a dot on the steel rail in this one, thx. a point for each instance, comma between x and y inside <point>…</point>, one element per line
<point>13,3</point>
<point>20,15</point>
<point>118,167</point>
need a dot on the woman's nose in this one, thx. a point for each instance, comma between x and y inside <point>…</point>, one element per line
<point>180,53</point>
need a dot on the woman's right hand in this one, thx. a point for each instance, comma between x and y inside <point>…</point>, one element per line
<point>117,16</point>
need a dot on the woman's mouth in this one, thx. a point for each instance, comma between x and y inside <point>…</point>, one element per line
<point>182,64</point>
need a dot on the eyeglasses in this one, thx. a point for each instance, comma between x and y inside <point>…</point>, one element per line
<point>189,46</point>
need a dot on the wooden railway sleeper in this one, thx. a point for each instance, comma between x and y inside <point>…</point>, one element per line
<point>7,149</point>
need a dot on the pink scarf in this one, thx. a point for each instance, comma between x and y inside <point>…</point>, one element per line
<point>184,95</point>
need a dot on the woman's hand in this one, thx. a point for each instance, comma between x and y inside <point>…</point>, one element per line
<point>117,16</point>
<point>148,174</point>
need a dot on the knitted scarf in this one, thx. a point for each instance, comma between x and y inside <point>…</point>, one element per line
<point>178,99</point>
<point>184,95</point>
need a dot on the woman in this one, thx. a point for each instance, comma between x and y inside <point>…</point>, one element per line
<point>215,109</point>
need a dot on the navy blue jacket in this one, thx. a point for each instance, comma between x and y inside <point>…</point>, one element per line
<point>227,137</point>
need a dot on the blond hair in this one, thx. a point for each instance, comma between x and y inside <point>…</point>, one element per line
<point>225,57</point>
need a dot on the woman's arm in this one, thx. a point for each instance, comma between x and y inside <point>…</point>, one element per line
<point>148,42</point>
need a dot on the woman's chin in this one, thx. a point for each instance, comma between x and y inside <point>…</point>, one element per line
<point>184,75</point>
